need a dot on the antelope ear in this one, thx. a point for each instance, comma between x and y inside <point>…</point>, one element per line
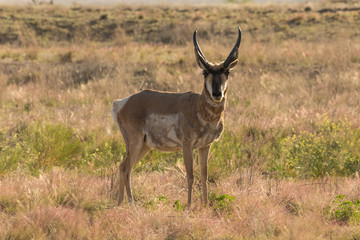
<point>232,65</point>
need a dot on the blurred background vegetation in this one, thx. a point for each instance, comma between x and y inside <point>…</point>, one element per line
<point>286,166</point>
<point>293,105</point>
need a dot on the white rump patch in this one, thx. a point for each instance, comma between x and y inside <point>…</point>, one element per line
<point>116,107</point>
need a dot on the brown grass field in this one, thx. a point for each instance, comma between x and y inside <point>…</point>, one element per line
<point>287,166</point>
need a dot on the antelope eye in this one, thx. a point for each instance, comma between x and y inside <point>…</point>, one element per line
<point>205,73</point>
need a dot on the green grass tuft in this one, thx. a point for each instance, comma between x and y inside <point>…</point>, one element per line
<point>344,211</point>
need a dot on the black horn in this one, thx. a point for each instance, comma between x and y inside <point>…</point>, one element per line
<point>234,52</point>
<point>199,55</point>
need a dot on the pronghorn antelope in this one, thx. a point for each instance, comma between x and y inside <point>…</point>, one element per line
<point>175,121</point>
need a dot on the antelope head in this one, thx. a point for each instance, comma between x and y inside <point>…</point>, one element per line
<point>216,75</point>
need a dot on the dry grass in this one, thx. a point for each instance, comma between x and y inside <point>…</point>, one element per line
<point>65,66</point>
<point>70,205</point>
<point>295,65</point>
<point>278,91</point>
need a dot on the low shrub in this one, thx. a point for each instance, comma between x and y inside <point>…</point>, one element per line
<point>40,147</point>
<point>221,202</point>
<point>344,211</point>
<point>332,149</point>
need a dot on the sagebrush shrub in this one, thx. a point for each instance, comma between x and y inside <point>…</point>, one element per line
<point>332,149</point>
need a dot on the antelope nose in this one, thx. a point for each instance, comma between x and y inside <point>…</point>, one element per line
<point>217,95</point>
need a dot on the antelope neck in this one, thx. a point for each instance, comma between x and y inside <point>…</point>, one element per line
<point>209,110</point>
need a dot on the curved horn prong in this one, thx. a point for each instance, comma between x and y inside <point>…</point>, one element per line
<point>234,52</point>
<point>199,55</point>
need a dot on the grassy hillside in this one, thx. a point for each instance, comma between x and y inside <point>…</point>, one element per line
<point>286,166</point>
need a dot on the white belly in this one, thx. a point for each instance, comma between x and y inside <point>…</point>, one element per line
<point>162,132</point>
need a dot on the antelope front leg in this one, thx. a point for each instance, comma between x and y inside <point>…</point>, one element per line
<point>188,160</point>
<point>203,157</point>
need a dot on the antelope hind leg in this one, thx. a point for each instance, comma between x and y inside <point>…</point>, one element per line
<point>143,151</point>
<point>133,149</point>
